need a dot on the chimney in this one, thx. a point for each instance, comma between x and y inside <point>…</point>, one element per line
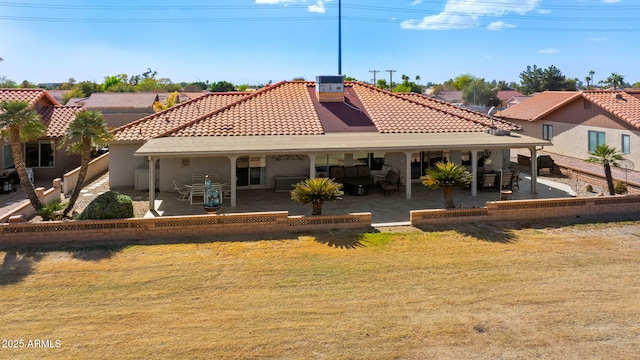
<point>330,88</point>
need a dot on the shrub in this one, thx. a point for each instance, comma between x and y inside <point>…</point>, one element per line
<point>619,187</point>
<point>110,205</point>
<point>52,210</point>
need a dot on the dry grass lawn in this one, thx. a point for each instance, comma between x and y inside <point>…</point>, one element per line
<point>480,292</point>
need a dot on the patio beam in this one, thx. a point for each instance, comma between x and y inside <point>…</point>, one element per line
<point>152,183</point>
<point>407,174</point>
<point>474,172</point>
<point>233,178</point>
<point>534,169</point>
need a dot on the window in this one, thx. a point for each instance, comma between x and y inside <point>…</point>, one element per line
<point>251,170</point>
<point>626,144</point>
<point>7,157</point>
<point>596,138</point>
<point>39,154</point>
<point>547,132</point>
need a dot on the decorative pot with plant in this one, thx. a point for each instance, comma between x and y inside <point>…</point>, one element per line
<point>316,191</point>
<point>447,175</point>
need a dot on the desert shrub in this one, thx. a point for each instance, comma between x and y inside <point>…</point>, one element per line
<point>619,187</point>
<point>110,205</point>
<point>52,210</point>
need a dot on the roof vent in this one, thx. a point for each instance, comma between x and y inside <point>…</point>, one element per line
<point>618,96</point>
<point>330,88</point>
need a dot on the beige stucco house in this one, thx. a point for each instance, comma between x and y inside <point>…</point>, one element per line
<point>300,129</point>
<point>578,121</point>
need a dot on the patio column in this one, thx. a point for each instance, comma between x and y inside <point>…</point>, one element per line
<point>534,170</point>
<point>152,183</point>
<point>407,174</point>
<point>312,165</point>
<point>474,172</point>
<point>233,179</point>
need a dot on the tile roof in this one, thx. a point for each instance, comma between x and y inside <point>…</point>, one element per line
<point>32,96</point>
<point>508,94</point>
<point>57,119</point>
<point>450,96</point>
<point>174,117</point>
<point>539,105</point>
<point>292,108</point>
<point>124,100</point>
<point>618,103</point>
<point>472,120</point>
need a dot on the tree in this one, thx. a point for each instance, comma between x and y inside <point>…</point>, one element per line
<point>531,80</point>
<point>447,175</point>
<point>382,84</point>
<point>553,79</point>
<point>21,123</point>
<point>615,80</point>
<point>316,191</point>
<point>86,131</point>
<point>460,82</point>
<point>172,100</point>
<point>222,86</point>
<point>606,156</point>
<point>73,93</point>
<point>418,79</point>
<point>592,76</point>
<point>480,92</point>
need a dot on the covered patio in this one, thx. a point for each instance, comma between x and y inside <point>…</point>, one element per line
<point>392,208</point>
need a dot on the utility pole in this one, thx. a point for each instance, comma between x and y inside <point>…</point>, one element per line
<point>390,78</point>
<point>339,37</point>
<point>374,76</point>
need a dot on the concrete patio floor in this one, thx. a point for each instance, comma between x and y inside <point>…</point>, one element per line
<point>392,208</point>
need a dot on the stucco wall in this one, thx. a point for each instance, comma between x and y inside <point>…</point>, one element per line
<point>122,164</point>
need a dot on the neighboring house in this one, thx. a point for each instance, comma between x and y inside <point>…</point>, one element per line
<point>119,109</point>
<point>43,155</point>
<point>453,97</point>
<point>578,121</point>
<point>302,128</point>
<point>504,96</point>
<point>516,100</point>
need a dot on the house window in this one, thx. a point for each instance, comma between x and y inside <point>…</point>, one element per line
<point>596,138</point>
<point>251,170</point>
<point>324,161</point>
<point>626,144</point>
<point>547,132</point>
<point>7,156</point>
<point>39,154</point>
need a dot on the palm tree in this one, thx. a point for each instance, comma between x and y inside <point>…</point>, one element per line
<point>316,191</point>
<point>591,75</point>
<point>418,79</point>
<point>615,79</point>
<point>588,79</point>
<point>607,156</point>
<point>447,175</point>
<point>21,123</point>
<point>86,131</point>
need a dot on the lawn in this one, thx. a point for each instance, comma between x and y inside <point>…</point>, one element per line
<point>479,292</point>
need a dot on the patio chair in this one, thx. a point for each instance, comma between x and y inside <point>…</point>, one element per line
<point>488,181</point>
<point>515,177</point>
<point>182,190</point>
<point>214,177</point>
<point>506,180</point>
<point>391,182</point>
<point>197,178</point>
<point>220,189</point>
<point>197,190</point>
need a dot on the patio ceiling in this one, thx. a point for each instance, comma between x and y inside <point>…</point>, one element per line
<point>207,146</point>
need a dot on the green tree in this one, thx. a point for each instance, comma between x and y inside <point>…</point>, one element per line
<point>553,79</point>
<point>20,123</point>
<point>73,93</point>
<point>592,75</point>
<point>615,80</point>
<point>7,83</point>
<point>86,131</point>
<point>222,86</point>
<point>460,82</point>
<point>606,156</point>
<point>531,80</point>
<point>316,191</point>
<point>479,92</point>
<point>382,84</point>
<point>172,100</point>
<point>447,175</point>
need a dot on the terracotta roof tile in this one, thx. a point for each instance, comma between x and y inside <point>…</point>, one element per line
<point>109,100</point>
<point>175,117</point>
<point>285,108</point>
<point>507,94</point>
<point>31,96</point>
<point>539,105</point>
<point>57,119</point>
<point>618,103</point>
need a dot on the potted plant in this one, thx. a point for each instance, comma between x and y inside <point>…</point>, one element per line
<point>447,176</point>
<point>316,191</point>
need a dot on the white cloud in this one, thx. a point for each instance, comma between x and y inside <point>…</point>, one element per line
<point>464,14</point>
<point>599,39</point>
<point>499,25</point>
<point>611,1</point>
<point>548,51</point>
<point>544,11</point>
<point>416,2</point>
<point>318,7</point>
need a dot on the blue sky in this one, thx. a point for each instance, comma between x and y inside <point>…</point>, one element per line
<point>256,41</point>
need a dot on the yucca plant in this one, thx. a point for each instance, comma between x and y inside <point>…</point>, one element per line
<point>316,191</point>
<point>447,175</point>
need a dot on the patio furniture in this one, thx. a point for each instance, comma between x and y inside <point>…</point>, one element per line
<point>30,174</point>
<point>197,190</point>
<point>505,181</point>
<point>357,187</point>
<point>391,182</point>
<point>488,181</point>
<point>197,178</point>
<point>182,190</point>
<point>214,177</point>
<point>515,177</point>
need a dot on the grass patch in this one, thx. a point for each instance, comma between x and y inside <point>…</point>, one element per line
<point>509,293</point>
